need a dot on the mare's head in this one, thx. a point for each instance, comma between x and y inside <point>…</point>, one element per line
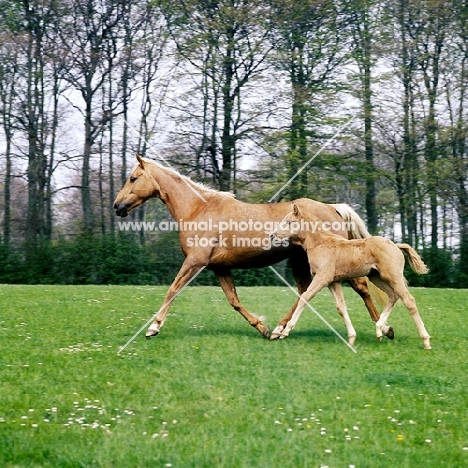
<point>290,226</point>
<point>139,187</point>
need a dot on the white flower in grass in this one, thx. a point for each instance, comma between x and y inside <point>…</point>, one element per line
<point>428,441</point>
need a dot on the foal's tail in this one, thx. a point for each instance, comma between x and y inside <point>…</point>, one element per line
<point>414,259</point>
<point>354,223</point>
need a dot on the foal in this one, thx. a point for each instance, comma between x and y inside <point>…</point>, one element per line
<point>334,259</point>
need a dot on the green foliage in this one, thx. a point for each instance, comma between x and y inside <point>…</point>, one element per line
<point>209,391</point>
<point>442,270</point>
<point>108,259</point>
<point>122,259</point>
<point>11,15</point>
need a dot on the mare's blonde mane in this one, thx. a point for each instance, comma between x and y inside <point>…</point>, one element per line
<point>196,185</point>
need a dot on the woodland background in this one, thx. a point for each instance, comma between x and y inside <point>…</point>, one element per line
<point>238,94</point>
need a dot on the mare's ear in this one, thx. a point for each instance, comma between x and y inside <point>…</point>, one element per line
<point>140,160</point>
<point>295,210</point>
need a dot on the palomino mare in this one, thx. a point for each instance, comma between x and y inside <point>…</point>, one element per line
<point>212,225</point>
<point>334,259</point>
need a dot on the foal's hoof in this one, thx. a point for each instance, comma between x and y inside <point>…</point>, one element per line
<point>390,334</point>
<point>380,339</point>
<point>276,332</point>
<point>151,333</point>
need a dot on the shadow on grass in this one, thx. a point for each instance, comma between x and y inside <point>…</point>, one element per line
<point>313,335</point>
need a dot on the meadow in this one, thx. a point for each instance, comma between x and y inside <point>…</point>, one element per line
<point>210,391</point>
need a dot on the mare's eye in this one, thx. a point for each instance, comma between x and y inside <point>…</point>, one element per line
<point>132,179</point>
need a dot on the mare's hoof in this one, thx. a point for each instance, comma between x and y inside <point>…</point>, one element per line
<point>390,334</point>
<point>266,331</point>
<point>151,333</point>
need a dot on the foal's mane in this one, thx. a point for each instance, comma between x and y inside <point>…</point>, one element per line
<point>196,185</point>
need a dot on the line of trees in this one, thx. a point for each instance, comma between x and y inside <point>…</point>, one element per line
<point>239,94</point>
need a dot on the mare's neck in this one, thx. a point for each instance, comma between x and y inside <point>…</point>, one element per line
<point>180,196</point>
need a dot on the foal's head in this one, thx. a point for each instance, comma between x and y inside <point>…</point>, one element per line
<point>139,187</point>
<point>290,226</point>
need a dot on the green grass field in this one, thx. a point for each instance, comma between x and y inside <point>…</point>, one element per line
<point>209,391</point>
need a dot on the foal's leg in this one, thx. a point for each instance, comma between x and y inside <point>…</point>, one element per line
<point>301,272</point>
<point>318,283</point>
<point>392,298</point>
<point>227,284</point>
<point>189,268</point>
<point>337,292</point>
<point>401,290</point>
<point>361,287</point>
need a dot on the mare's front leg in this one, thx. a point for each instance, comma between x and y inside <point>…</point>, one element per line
<point>189,268</point>
<point>227,284</point>
<point>337,292</point>
<point>318,283</point>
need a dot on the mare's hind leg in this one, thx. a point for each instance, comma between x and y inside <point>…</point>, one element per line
<point>361,287</point>
<point>392,298</point>
<point>337,292</point>
<point>227,284</point>
<point>301,272</point>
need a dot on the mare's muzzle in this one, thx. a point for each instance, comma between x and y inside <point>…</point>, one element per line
<point>120,209</point>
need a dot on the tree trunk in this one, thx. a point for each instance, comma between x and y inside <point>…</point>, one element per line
<point>371,209</point>
<point>86,202</point>
<point>227,139</point>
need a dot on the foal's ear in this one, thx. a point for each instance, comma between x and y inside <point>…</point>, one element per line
<point>295,210</point>
<point>140,160</point>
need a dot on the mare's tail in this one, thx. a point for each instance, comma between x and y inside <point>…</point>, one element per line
<point>354,223</point>
<point>414,259</point>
